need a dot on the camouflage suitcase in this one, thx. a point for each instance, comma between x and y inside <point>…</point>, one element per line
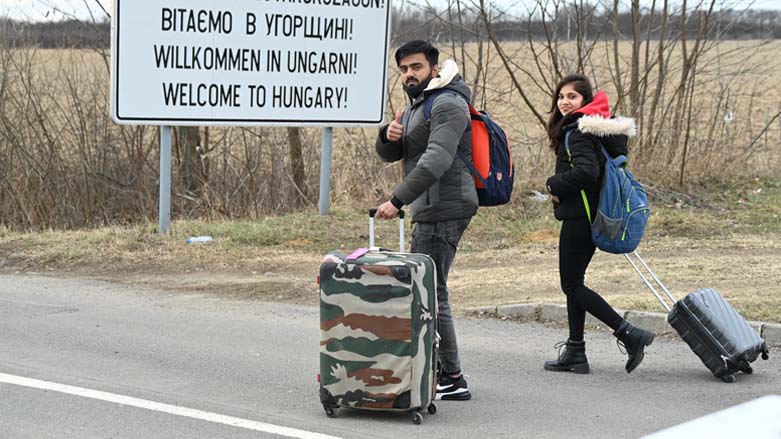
<point>378,334</point>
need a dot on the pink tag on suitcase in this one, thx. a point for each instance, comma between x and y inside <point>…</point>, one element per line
<point>358,253</point>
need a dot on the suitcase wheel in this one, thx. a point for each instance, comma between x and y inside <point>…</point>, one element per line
<point>747,370</point>
<point>329,411</point>
<point>728,379</point>
<point>765,355</point>
<point>432,409</point>
<point>417,418</point>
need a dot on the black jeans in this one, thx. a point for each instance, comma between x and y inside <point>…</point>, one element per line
<point>440,241</point>
<point>575,252</point>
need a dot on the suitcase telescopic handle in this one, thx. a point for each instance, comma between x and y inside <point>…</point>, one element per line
<point>648,283</point>
<point>372,214</point>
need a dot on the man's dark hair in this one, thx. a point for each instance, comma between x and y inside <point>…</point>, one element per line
<point>418,46</point>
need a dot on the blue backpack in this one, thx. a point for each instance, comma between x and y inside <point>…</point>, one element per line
<point>623,211</point>
<point>491,164</point>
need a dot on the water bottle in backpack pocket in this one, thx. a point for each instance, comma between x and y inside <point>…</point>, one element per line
<point>622,215</point>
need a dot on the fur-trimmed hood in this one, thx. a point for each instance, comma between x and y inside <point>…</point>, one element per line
<point>595,119</point>
<point>603,127</point>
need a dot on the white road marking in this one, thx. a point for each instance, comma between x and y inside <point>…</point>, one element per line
<point>161,407</point>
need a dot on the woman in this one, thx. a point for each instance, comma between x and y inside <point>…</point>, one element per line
<point>575,109</point>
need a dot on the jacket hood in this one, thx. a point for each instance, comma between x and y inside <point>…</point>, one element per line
<point>447,71</point>
<point>449,78</point>
<point>597,107</point>
<point>603,127</point>
<point>594,118</point>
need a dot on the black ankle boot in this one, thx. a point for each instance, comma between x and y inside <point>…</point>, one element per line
<point>573,359</point>
<point>635,340</point>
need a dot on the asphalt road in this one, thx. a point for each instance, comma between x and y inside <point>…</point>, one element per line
<point>86,359</point>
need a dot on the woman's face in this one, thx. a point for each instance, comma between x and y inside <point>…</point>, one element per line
<point>569,100</point>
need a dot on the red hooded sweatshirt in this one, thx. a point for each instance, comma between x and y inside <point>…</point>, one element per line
<point>597,107</point>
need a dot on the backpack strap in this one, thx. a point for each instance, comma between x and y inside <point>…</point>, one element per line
<point>472,168</point>
<point>572,165</point>
<point>428,104</point>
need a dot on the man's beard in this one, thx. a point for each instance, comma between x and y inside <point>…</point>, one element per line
<point>413,91</point>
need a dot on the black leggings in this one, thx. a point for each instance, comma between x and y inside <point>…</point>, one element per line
<point>575,252</point>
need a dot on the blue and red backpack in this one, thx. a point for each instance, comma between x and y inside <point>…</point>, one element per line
<point>492,163</point>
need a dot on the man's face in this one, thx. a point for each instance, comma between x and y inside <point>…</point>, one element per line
<point>415,69</point>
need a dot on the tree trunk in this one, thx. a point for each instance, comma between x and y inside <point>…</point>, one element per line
<point>657,95</point>
<point>188,142</point>
<point>297,168</point>
<point>634,80</point>
<point>617,60</point>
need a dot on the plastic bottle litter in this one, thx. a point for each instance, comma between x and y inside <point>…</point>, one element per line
<point>538,196</point>
<point>195,239</point>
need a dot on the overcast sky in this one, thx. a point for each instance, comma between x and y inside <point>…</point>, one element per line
<point>42,10</point>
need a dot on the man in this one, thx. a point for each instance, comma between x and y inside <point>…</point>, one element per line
<point>437,186</point>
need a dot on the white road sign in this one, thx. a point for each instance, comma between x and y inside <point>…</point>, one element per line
<point>250,62</point>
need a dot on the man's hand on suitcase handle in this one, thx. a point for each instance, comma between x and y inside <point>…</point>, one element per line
<point>387,210</point>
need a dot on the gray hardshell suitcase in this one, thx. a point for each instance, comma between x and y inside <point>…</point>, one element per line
<point>712,328</point>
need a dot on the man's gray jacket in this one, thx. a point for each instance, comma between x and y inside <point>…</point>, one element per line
<point>437,184</point>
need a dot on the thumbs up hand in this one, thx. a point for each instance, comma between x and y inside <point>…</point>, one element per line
<point>395,128</point>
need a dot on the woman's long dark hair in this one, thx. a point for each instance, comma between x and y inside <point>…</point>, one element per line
<point>583,86</point>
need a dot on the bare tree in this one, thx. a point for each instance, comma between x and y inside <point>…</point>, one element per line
<point>297,167</point>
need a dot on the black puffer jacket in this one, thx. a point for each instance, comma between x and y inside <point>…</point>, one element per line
<point>591,126</point>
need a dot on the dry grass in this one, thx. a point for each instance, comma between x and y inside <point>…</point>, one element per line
<point>508,254</point>
<point>744,268</point>
<point>528,274</point>
<point>65,165</point>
